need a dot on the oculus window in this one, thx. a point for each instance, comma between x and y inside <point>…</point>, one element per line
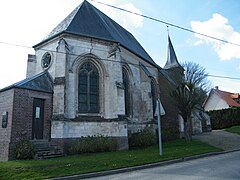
<point>46,60</point>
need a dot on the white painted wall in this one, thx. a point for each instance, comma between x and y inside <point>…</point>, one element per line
<point>214,102</point>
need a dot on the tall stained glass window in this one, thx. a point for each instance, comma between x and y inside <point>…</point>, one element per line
<point>126,92</point>
<point>88,89</point>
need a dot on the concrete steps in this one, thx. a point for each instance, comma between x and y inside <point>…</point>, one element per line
<point>45,150</point>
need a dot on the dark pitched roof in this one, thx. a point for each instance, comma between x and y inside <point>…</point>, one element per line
<point>172,70</point>
<point>172,61</point>
<point>40,82</point>
<point>86,20</point>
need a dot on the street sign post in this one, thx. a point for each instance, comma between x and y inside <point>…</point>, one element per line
<point>159,127</point>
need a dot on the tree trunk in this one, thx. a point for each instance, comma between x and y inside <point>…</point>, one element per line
<point>187,131</point>
<point>190,126</point>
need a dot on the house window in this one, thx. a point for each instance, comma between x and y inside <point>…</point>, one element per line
<point>126,84</point>
<point>154,96</point>
<point>4,119</point>
<point>88,89</point>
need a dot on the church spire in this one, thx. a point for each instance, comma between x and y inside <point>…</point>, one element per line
<point>172,61</point>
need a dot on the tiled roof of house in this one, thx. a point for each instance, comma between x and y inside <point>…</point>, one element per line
<point>88,21</point>
<point>228,97</point>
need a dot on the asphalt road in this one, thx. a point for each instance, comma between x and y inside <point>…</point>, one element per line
<point>224,166</point>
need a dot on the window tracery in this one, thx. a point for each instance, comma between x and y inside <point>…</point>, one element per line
<point>88,89</point>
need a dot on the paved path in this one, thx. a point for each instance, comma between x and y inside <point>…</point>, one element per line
<point>221,139</point>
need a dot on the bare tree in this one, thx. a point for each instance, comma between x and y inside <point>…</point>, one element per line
<point>190,93</point>
<point>196,75</point>
<point>186,98</point>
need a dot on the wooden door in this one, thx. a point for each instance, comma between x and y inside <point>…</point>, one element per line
<point>38,118</point>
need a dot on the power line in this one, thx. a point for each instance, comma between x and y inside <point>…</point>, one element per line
<point>151,18</point>
<point>13,44</point>
<point>109,60</point>
<point>223,77</point>
<point>167,23</point>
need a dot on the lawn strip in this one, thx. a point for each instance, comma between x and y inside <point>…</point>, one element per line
<point>86,163</point>
<point>234,129</point>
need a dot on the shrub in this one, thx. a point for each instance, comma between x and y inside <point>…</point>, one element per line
<point>92,144</point>
<point>24,149</point>
<point>168,134</point>
<point>144,138</point>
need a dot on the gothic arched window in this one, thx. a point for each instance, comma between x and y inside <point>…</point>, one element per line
<point>88,89</point>
<point>154,95</point>
<point>126,84</point>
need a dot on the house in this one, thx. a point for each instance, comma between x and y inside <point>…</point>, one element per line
<point>88,77</point>
<point>218,99</point>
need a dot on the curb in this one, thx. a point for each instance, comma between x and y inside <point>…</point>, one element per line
<point>140,167</point>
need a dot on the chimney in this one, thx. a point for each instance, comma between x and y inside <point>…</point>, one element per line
<point>216,87</point>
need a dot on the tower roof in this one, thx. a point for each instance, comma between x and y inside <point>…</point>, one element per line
<point>172,61</point>
<point>88,21</point>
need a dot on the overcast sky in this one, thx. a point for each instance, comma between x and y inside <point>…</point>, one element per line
<point>27,22</point>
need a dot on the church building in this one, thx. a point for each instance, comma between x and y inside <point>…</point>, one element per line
<point>89,76</point>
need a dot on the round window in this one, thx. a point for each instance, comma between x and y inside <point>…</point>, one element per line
<point>46,60</point>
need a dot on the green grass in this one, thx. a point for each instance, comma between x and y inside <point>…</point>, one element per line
<point>79,164</point>
<point>234,129</point>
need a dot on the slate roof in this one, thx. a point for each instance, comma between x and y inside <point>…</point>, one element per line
<point>172,60</point>
<point>169,71</point>
<point>86,20</point>
<point>40,82</point>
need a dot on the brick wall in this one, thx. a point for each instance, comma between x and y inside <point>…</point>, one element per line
<point>23,113</point>
<point>6,104</point>
<point>170,123</point>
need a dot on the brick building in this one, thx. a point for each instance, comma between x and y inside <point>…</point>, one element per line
<point>88,77</point>
<point>26,109</point>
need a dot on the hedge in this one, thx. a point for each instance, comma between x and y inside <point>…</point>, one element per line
<point>224,118</point>
<point>142,139</point>
<point>93,144</point>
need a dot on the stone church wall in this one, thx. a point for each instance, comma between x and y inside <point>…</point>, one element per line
<point>142,107</point>
<point>63,133</point>
<point>65,65</point>
<point>69,53</point>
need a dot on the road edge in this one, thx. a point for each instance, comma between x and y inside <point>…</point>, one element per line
<point>140,167</point>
